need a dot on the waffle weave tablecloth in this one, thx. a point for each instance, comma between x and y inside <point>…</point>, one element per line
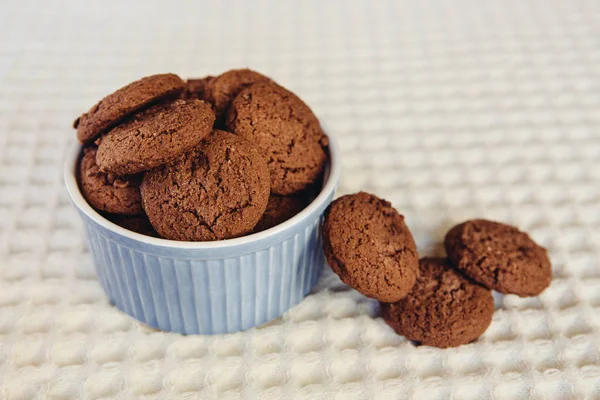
<point>449,109</point>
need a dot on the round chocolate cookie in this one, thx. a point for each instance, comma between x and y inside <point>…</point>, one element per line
<point>280,209</point>
<point>368,245</point>
<point>197,88</point>
<point>155,136</point>
<point>444,308</point>
<point>285,130</point>
<point>108,192</point>
<point>109,111</point>
<point>499,257</point>
<point>137,223</point>
<point>223,89</point>
<point>217,191</point>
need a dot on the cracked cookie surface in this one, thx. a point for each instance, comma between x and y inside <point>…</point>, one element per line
<point>221,90</point>
<point>108,192</point>
<point>112,109</point>
<point>285,130</point>
<point>444,308</point>
<point>499,256</point>
<point>368,245</point>
<point>155,136</point>
<point>217,191</point>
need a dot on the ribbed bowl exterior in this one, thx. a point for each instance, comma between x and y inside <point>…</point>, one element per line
<point>188,293</point>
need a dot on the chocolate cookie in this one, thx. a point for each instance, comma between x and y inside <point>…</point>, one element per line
<point>499,257</point>
<point>137,223</point>
<point>155,136</point>
<point>368,245</point>
<point>280,209</point>
<point>113,108</point>
<point>444,308</point>
<point>197,88</point>
<point>223,89</point>
<point>285,130</point>
<point>217,191</point>
<point>108,192</point>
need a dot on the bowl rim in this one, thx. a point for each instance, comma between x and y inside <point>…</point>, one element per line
<point>331,179</point>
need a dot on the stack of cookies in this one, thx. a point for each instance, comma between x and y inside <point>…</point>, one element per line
<point>441,302</point>
<point>207,159</point>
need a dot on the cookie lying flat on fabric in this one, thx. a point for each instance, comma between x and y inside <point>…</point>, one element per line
<point>136,223</point>
<point>368,245</point>
<point>443,309</point>
<point>499,257</point>
<point>280,209</point>
<point>224,88</point>
<point>197,88</point>
<point>155,136</point>
<point>285,130</point>
<point>111,110</point>
<point>108,192</point>
<point>217,191</point>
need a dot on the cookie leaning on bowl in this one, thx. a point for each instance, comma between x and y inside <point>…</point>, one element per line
<point>367,243</point>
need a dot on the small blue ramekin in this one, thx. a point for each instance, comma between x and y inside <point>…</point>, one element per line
<point>207,287</point>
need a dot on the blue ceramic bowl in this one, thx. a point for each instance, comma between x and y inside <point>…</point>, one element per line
<point>207,287</point>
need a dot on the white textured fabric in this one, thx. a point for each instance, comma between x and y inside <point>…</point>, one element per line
<point>449,109</point>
